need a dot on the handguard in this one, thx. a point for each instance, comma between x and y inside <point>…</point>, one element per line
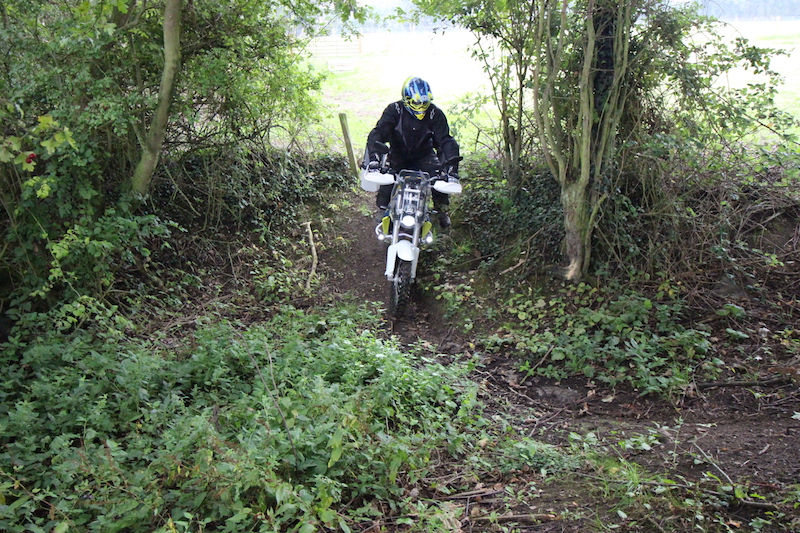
<point>372,179</point>
<point>448,187</point>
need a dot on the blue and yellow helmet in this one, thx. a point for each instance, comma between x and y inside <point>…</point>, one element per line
<point>417,96</point>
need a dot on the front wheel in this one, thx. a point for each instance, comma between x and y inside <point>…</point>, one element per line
<point>400,293</point>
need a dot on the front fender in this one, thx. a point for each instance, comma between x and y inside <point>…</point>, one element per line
<point>406,252</point>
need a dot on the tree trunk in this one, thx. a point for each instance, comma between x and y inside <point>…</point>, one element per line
<point>579,144</point>
<point>577,229</point>
<point>151,146</point>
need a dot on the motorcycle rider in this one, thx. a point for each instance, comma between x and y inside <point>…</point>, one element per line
<point>416,131</point>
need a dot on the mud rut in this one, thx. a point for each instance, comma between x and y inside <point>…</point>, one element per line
<point>740,434</point>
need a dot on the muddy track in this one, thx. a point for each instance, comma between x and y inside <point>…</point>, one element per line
<point>742,435</point>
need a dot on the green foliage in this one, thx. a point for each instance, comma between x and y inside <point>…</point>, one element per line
<point>528,454</point>
<point>79,89</point>
<point>66,279</point>
<point>275,279</point>
<point>246,187</point>
<point>528,221</point>
<point>611,336</point>
<point>267,428</point>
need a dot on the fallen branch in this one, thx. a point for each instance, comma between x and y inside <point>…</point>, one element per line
<point>480,493</point>
<point>518,518</point>
<point>509,269</point>
<point>765,383</point>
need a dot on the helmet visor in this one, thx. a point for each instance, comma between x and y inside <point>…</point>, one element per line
<point>419,105</point>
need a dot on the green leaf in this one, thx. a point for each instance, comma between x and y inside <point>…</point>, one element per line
<point>14,143</point>
<point>736,335</point>
<point>394,467</point>
<point>46,122</point>
<point>240,516</point>
<point>336,454</point>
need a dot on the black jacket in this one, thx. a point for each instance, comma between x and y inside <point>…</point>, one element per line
<point>412,139</point>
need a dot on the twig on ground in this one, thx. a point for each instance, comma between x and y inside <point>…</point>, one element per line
<point>478,493</point>
<point>313,255</point>
<point>518,518</point>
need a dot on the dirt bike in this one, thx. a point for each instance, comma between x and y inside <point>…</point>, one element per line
<point>406,226</point>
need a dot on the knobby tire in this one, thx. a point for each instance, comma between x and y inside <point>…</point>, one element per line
<point>400,289</point>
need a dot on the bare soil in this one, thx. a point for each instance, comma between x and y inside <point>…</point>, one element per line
<point>715,435</point>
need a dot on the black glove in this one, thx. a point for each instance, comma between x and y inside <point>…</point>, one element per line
<point>374,161</point>
<point>451,174</point>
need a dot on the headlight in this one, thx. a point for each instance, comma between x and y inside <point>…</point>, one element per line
<point>408,221</point>
<point>428,238</point>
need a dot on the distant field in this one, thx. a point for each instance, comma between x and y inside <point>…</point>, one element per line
<point>368,75</point>
<point>782,35</point>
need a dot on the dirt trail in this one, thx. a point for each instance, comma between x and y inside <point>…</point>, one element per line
<point>742,435</point>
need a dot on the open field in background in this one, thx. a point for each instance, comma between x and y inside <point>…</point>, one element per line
<point>367,75</point>
<point>783,35</point>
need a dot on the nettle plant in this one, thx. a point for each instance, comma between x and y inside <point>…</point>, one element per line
<point>611,336</point>
<point>297,424</point>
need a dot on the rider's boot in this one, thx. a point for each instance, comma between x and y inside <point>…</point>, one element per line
<point>444,218</point>
<point>382,212</point>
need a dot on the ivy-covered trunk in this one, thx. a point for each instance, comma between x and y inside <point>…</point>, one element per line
<point>577,238</point>
<point>578,119</point>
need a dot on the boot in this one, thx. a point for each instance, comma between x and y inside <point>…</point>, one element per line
<point>382,212</point>
<point>444,219</point>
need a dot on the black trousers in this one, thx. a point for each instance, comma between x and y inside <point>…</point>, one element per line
<point>430,164</point>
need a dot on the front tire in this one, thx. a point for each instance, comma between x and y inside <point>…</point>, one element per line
<point>400,290</point>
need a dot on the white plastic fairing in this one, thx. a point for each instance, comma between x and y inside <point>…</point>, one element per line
<point>366,184</point>
<point>447,187</point>
<point>405,250</point>
<point>402,249</point>
<point>371,180</point>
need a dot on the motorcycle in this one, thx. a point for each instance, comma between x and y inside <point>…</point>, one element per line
<point>406,226</point>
